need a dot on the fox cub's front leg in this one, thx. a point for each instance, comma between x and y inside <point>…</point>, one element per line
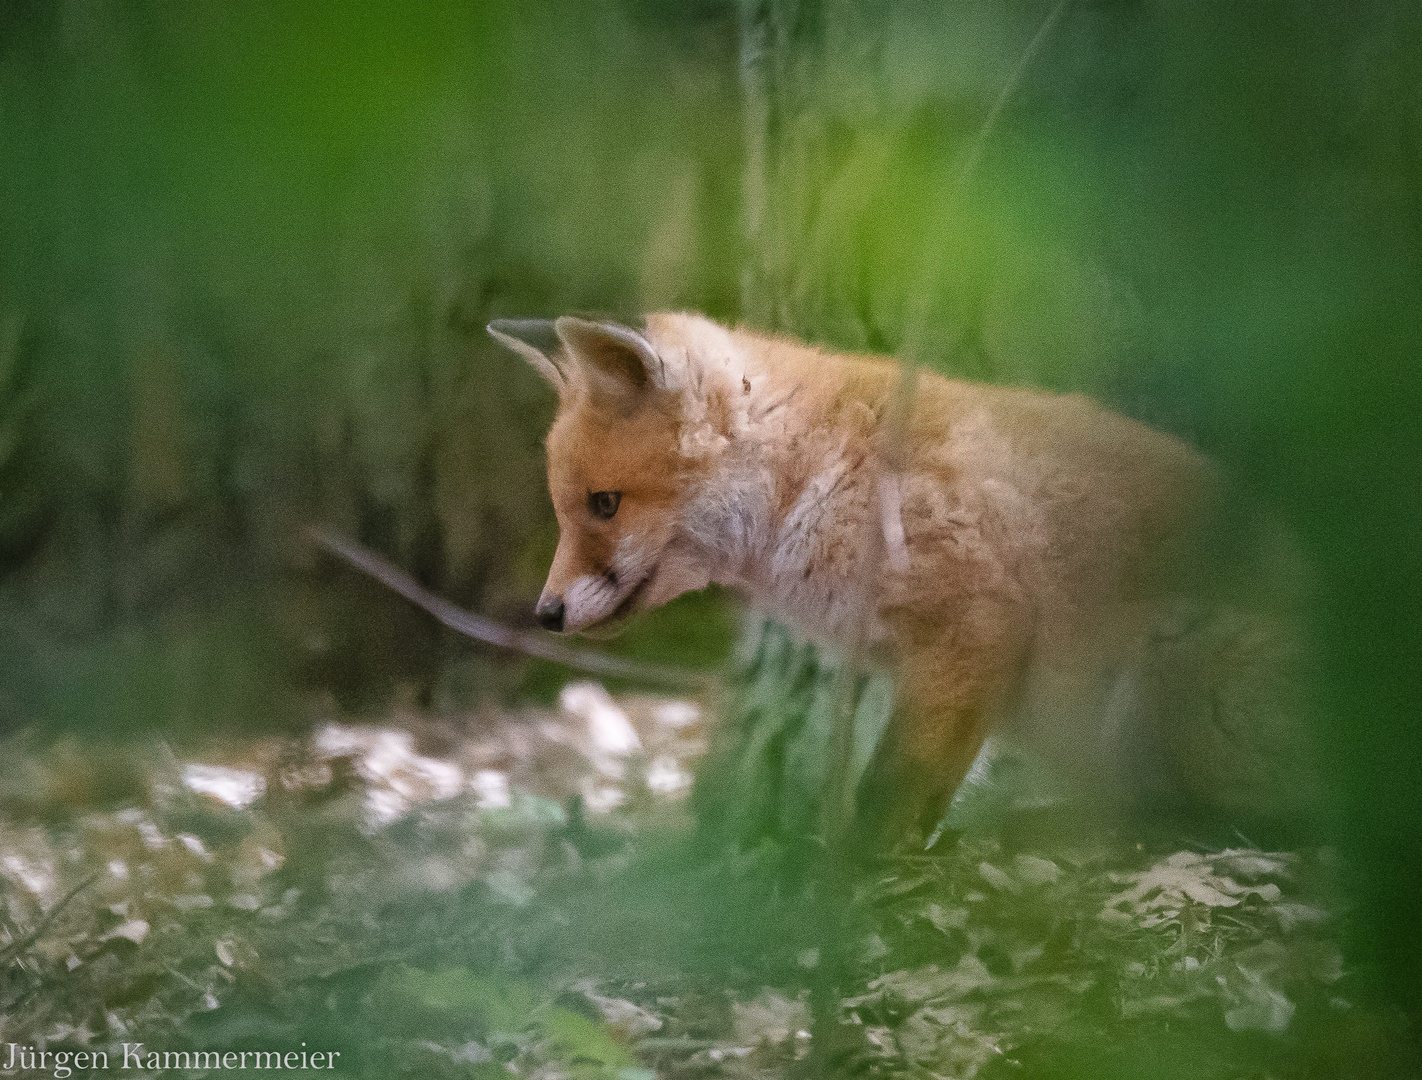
<point>953,683</point>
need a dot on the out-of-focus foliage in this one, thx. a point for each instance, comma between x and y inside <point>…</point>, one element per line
<point>1207,216</point>
<point>246,258</point>
<point>247,251</point>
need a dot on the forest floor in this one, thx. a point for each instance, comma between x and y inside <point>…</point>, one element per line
<point>522,894</point>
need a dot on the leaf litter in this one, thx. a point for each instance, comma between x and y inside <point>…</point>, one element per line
<point>474,898</point>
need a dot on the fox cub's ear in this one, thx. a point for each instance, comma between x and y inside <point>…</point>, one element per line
<point>618,363</point>
<point>536,340</point>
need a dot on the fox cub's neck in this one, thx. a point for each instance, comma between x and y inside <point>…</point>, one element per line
<point>779,440</point>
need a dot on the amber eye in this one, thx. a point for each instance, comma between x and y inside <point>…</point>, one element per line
<point>603,504</point>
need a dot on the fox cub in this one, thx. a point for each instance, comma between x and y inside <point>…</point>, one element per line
<point>1020,561</point>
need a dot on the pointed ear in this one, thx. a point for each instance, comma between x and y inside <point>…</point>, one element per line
<point>619,363</point>
<point>536,340</point>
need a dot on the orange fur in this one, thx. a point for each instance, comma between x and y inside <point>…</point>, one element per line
<point>1046,537</point>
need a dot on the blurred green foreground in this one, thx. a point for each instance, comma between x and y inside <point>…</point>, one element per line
<point>247,252</point>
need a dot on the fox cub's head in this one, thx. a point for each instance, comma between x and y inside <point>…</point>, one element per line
<point>618,469</point>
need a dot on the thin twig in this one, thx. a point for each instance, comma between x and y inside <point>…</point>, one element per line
<point>889,546</point>
<point>504,637</point>
<point>1009,88</point>
<point>916,324</point>
<point>12,950</point>
<point>383,960</point>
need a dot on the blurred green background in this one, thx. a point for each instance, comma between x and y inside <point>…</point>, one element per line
<point>247,251</point>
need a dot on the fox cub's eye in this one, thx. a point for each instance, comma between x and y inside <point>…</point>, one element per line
<point>603,504</point>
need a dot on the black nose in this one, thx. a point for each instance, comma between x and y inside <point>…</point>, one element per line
<point>550,614</point>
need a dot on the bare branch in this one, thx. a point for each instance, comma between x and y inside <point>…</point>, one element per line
<point>504,637</point>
